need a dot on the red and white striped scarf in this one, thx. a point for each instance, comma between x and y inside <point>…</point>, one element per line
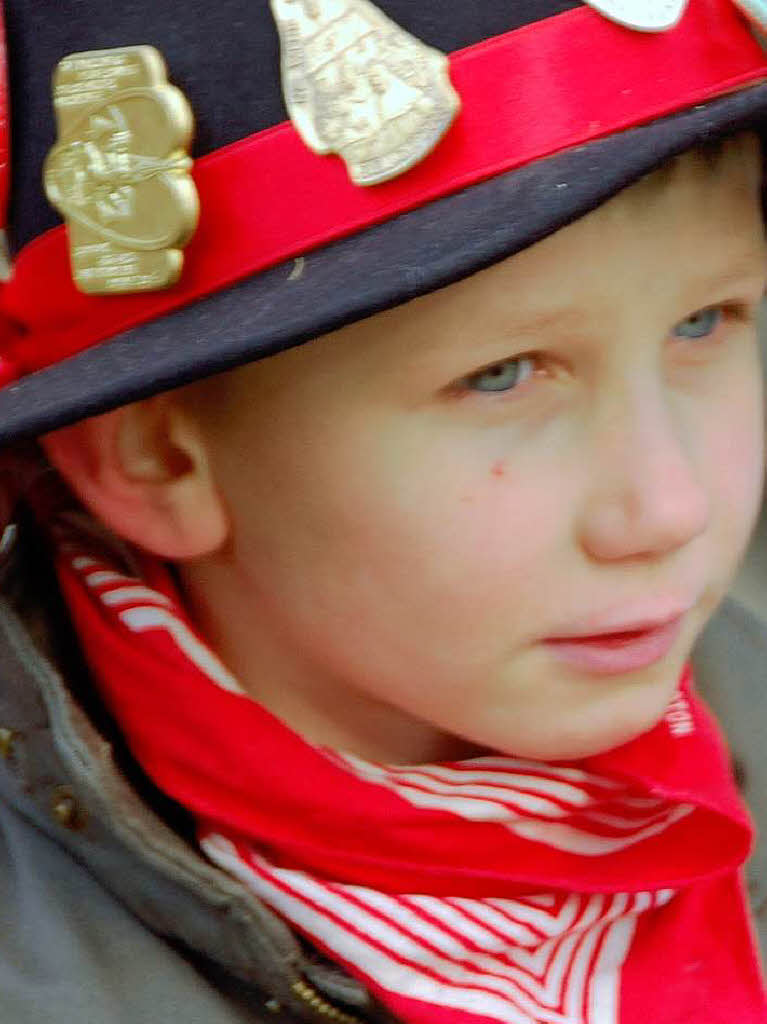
<point>488,890</point>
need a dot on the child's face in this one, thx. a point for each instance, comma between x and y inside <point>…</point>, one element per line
<point>407,538</point>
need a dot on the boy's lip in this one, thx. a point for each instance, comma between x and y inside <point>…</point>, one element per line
<point>610,625</point>
<point>626,647</point>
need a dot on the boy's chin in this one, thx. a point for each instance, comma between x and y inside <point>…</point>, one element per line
<point>581,745</point>
<point>606,713</point>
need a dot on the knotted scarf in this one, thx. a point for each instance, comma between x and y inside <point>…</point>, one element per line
<point>494,889</point>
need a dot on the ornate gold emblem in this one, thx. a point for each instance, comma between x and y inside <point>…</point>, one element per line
<point>119,173</point>
<point>358,85</point>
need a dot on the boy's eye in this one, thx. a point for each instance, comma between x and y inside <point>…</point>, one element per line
<point>699,324</point>
<point>503,376</point>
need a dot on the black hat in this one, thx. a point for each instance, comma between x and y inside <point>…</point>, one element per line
<point>542,111</point>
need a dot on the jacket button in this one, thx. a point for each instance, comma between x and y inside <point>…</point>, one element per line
<point>66,810</point>
<point>7,736</point>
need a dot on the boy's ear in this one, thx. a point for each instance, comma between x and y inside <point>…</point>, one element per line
<point>144,469</point>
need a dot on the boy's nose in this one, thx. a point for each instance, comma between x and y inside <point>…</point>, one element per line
<point>645,498</point>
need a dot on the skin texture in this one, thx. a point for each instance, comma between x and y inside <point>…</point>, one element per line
<point>377,547</point>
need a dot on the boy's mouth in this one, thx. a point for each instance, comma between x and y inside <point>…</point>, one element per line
<point>623,650</point>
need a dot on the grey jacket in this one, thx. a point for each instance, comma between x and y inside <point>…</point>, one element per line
<point>108,915</point>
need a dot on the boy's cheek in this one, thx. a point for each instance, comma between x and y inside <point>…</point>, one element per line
<point>438,554</point>
<point>735,460</point>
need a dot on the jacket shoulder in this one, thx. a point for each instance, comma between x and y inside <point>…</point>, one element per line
<point>71,953</point>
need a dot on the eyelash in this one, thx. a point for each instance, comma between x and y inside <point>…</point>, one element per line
<point>728,312</point>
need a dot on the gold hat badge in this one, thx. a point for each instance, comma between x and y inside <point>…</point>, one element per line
<point>358,85</point>
<point>119,173</point>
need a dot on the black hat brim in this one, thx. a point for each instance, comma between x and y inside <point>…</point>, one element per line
<point>384,266</point>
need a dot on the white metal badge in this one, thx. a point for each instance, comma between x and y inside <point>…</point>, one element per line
<point>644,15</point>
<point>358,85</point>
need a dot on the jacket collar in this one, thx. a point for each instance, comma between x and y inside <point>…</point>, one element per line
<point>77,783</point>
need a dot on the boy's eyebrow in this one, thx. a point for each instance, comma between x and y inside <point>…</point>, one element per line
<point>746,270</point>
<point>529,322</point>
<point>567,317</point>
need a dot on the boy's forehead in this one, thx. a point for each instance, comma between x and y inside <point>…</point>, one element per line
<point>700,216</point>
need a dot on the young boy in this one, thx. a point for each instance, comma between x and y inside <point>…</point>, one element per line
<point>362,687</point>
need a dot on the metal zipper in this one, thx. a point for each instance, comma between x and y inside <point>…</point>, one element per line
<point>308,994</point>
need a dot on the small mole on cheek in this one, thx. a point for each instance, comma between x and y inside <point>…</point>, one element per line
<point>499,468</point>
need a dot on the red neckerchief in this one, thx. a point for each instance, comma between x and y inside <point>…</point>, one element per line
<point>606,891</point>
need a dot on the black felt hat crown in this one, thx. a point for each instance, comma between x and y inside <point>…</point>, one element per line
<point>561,106</point>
